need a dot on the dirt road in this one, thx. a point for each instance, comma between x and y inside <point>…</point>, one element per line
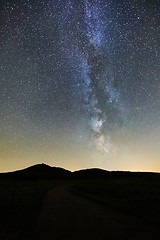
<point>66,215</point>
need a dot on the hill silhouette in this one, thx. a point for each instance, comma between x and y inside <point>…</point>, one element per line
<point>96,173</point>
<point>38,171</point>
<point>44,171</point>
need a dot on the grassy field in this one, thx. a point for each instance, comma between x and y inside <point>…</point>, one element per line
<point>22,201</point>
<point>139,198</point>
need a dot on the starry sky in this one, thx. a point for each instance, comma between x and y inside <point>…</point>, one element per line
<point>80,84</point>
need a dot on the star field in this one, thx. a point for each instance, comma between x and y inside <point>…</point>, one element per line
<point>80,84</point>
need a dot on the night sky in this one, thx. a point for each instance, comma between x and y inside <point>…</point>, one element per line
<point>80,84</point>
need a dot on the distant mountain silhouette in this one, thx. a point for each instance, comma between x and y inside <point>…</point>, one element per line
<point>43,171</point>
<point>92,173</point>
<point>96,173</point>
<point>38,171</point>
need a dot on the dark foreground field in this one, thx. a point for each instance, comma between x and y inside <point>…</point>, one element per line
<point>119,206</point>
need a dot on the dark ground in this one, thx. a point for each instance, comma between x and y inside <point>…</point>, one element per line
<point>126,206</point>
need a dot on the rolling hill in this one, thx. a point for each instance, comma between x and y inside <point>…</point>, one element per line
<point>43,171</point>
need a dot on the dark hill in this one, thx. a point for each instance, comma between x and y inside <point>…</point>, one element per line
<point>38,171</point>
<point>92,173</point>
<point>96,173</point>
<point>43,171</point>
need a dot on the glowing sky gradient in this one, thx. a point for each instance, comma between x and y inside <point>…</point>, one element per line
<point>80,84</point>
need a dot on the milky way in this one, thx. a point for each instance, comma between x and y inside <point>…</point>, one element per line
<point>99,74</point>
<point>80,80</point>
<point>101,95</point>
